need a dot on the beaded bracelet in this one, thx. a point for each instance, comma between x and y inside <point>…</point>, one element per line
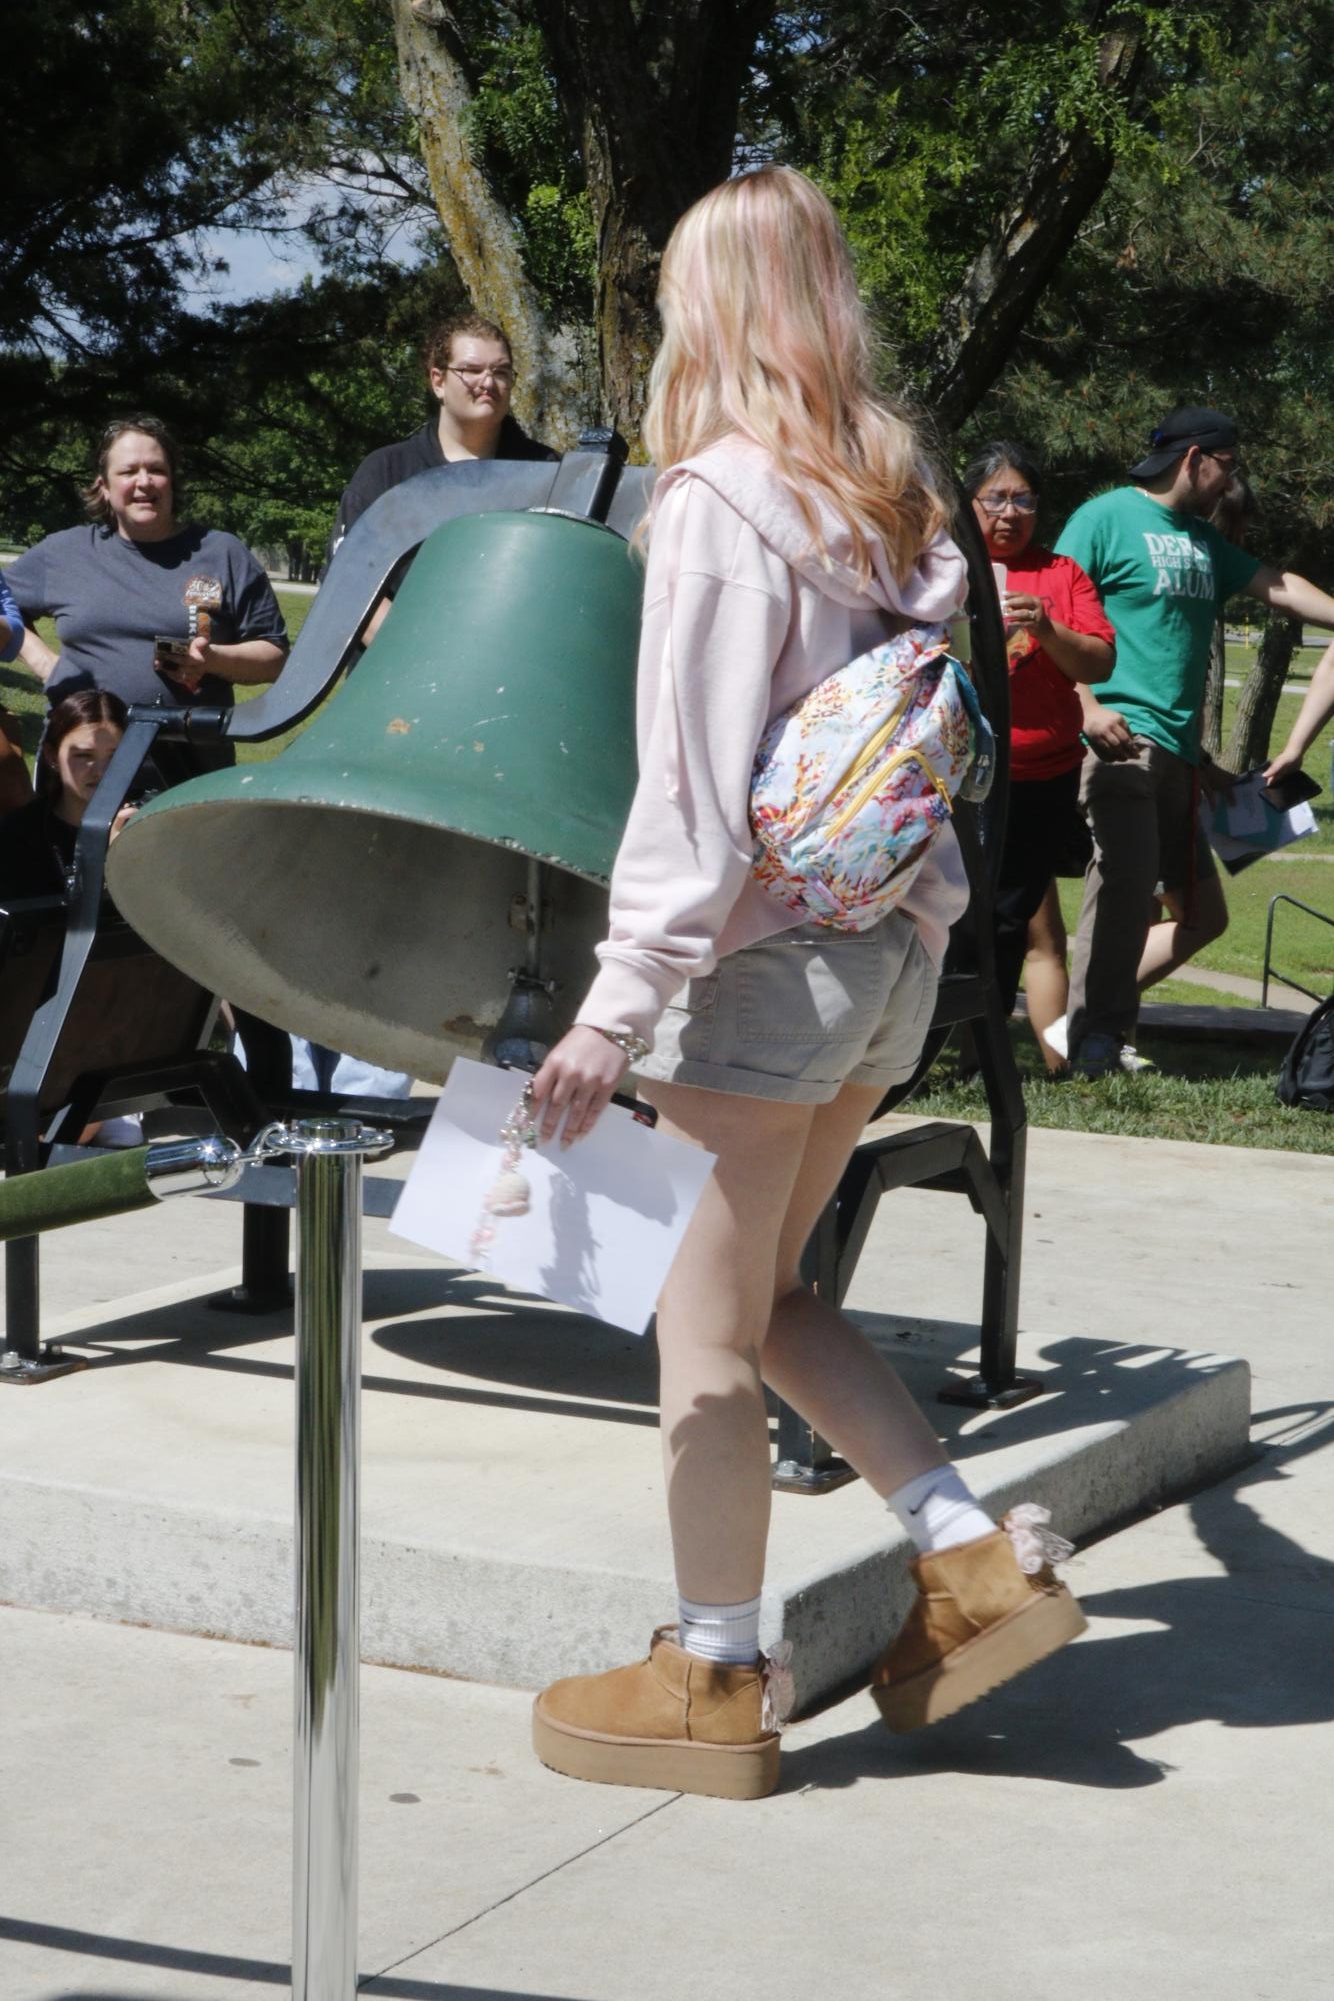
<point>633,1047</point>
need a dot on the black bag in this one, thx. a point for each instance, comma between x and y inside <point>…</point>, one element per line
<point>1307,1076</point>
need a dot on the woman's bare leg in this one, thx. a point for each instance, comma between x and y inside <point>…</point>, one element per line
<point>712,1318</point>
<point>1046,977</point>
<point>815,1358</point>
<point>734,1310</point>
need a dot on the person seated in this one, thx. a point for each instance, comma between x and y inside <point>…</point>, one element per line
<point>15,785</point>
<point>37,842</point>
<point>1057,636</point>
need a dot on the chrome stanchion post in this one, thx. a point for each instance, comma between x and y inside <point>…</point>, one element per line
<point>328,1154</point>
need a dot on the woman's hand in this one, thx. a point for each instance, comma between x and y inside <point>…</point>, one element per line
<point>188,667</point>
<point>576,1082</point>
<point>1283,766</point>
<point>1028,614</point>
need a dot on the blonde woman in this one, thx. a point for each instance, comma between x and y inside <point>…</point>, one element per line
<point>795,524</point>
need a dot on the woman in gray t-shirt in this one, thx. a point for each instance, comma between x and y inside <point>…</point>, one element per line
<point>133,577</point>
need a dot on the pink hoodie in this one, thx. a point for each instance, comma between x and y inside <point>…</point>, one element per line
<point>741,618</point>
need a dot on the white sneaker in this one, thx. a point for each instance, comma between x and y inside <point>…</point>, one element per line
<point>1057,1037</point>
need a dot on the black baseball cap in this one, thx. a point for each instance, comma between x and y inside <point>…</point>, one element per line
<point>1209,429</point>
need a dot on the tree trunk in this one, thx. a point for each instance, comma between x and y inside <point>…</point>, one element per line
<point>1248,746</point>
<point>652,94</point>
<point>1211,719</point>
<point>552,392</point>
<point>1065,178</point>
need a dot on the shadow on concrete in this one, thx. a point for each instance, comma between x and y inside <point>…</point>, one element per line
<point>571,1367</point>
<point>259,1972</point>
<point>524,1354</point>
<point>1249,1649</point>
<point>533,1346</point>
<point>1087,1379</point>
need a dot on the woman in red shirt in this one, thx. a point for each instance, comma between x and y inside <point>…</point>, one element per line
<point>1057,634</point>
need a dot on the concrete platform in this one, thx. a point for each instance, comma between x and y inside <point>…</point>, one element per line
<point>512,1516</point>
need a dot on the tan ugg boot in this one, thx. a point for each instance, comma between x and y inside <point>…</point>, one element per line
<point>979,1619</point>
<point>674,1721</point>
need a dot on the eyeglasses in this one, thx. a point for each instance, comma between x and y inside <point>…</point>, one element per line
<point>503,377</point>
<point>996,503</point>
<point>1229,461</point>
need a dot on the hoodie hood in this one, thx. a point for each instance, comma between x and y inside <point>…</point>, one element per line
<point>742,473</point>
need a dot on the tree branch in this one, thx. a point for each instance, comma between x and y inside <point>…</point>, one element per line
<point>1066,176</point>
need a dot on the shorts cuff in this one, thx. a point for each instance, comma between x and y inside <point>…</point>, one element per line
<point>883,1079</point>
<point>738,1083</point>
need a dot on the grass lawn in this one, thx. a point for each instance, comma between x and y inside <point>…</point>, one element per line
<point>1221,1096</point>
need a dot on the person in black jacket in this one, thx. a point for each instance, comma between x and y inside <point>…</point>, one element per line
<point>470,369</point>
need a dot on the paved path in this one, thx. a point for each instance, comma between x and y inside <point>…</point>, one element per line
<point>1244,988</point>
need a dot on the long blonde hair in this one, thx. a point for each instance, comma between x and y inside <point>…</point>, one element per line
<point>764,335</point>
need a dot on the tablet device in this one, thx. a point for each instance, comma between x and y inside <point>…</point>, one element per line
<point>1285,793</point>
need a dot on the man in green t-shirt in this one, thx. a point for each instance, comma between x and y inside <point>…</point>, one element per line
<point>1164,576</point>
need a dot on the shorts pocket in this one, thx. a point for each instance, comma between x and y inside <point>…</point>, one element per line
<point>823,993</point>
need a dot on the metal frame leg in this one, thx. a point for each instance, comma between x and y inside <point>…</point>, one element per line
<point>265,1231</point>
<point>22,1361</point>
<point>998,1385</point>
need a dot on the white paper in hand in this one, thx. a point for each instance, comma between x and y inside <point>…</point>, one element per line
<point>605,1217</point>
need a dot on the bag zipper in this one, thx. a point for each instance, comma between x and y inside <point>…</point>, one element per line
<point>870,749</point>
<point>873,746</point>
<point>868,791</point>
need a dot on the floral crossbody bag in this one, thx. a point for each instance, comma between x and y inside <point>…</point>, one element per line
<point>852,784</point>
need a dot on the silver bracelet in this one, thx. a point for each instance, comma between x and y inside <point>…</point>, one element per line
<point>632,1047</point>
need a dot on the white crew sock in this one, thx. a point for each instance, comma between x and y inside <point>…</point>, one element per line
<point>729,1634</point>
<point>938,1510</point>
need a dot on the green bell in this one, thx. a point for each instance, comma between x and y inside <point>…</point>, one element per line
<point>424,867</point>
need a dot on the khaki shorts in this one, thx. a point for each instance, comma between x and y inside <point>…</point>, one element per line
<point>796,1017</point>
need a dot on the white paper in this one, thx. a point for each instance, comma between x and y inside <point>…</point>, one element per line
<point>1243,826</point>
<point>605,1216</point>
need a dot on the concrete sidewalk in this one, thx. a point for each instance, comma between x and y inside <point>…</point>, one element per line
<point>1145,1815</point>
<point>513,1528</point>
